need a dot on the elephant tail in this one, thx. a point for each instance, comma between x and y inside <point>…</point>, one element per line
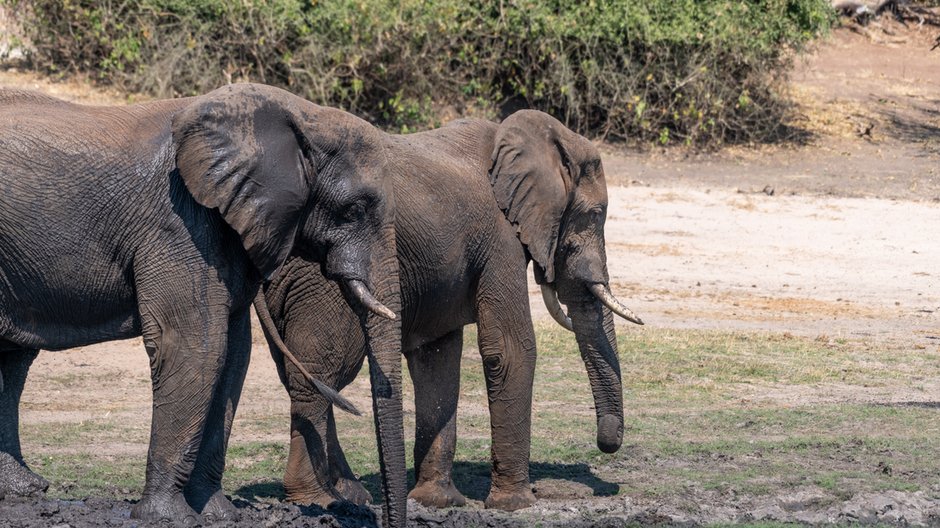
<point>1,382</point>
<point>264,315</point>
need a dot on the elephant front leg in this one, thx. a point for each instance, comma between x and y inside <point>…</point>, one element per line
<point>435,371</point>
<point>15,477</point>
<point>507,345</point>
<point>186,359</point>
<point>204,489</point>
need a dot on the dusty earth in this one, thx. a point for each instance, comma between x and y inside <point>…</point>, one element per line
<point>830,239</point>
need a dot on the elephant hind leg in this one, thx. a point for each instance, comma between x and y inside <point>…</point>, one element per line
<point>435,371</point>
<point>307,477</point>
<point>341,475</point>
<point>15,477</point>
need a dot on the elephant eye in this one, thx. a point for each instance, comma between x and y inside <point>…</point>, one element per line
<point>354,212</point>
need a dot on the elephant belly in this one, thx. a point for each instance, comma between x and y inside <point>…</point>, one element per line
<point>64,311</point>
<point>433,314</point>
<point>437,283</point>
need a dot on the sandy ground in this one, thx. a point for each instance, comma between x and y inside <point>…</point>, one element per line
<point>833,239</point>
<point>844,267</point>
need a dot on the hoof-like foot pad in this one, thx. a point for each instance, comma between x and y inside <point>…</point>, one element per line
<point>172,507</point>
<point>220,508</point>
<point>510,501</point>
<point>353,491</point>
<point>17,480</point>
<point>437,495</point>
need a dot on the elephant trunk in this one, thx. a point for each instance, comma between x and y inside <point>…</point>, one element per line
<point>383,338</point>
<point>597,341</point>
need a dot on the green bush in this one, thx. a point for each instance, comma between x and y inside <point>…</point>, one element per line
<point>697,71</point>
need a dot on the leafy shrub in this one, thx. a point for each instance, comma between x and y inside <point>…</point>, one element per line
<point>698,71</point>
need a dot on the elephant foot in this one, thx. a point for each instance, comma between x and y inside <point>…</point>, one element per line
<point>323,498</point>
<point>18,480</point>
<point>220,508</point>
<point>510,501</point>
<point>437,495</point>
<point>171,507</point>
<point>353,491</point>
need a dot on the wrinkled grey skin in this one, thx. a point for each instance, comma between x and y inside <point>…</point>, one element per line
<point>162,220</point>
<point>475,202</point>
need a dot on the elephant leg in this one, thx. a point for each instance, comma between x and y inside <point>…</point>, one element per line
<point>341,475</point>
<point>307,476</point>
<point>15,477</point>
<point>187,356</point>
<point>204,489</point>
<point>435,371</point>
<point>507,345</point>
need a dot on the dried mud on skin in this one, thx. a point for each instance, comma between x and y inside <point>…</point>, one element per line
<point>810,506</point>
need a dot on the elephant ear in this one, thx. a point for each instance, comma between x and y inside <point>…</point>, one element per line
<point>239,149</point>
<point>533,177</point>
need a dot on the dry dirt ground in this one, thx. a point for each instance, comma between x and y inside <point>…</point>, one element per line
<point>831,240</point>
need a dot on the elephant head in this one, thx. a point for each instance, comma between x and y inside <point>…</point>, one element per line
<point>550,183</point>
<point>290,176</point>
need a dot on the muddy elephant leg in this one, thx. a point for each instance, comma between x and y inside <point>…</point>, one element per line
<point>187,356</point>
<point>204,489</point>
<point>326,336</point>
<point>15,477</point>
<point>435,371</point>
<point>341,475</point>
<point>307,476</point>
<point>507,345</point>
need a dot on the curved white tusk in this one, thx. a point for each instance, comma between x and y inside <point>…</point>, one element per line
<point>602,292</point>
<point>364,296</point>
<point>550,297</point>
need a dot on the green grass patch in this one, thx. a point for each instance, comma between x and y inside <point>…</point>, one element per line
<point>90,474</point>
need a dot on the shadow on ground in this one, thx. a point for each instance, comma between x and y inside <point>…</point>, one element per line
<point>915,125</point>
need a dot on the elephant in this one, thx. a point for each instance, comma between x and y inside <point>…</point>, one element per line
<point>162,220</point>
<point>476,202</point>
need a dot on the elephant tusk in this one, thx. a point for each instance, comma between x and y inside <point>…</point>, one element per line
<point>603,294</point>
<point>365,297</point>
<point>264,315</point>
<point>550,297</point>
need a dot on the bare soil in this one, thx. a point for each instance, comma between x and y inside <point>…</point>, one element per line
<point>832,239</point>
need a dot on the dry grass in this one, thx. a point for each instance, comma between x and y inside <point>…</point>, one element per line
<point>73,88</point>
<point>832,117</point>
